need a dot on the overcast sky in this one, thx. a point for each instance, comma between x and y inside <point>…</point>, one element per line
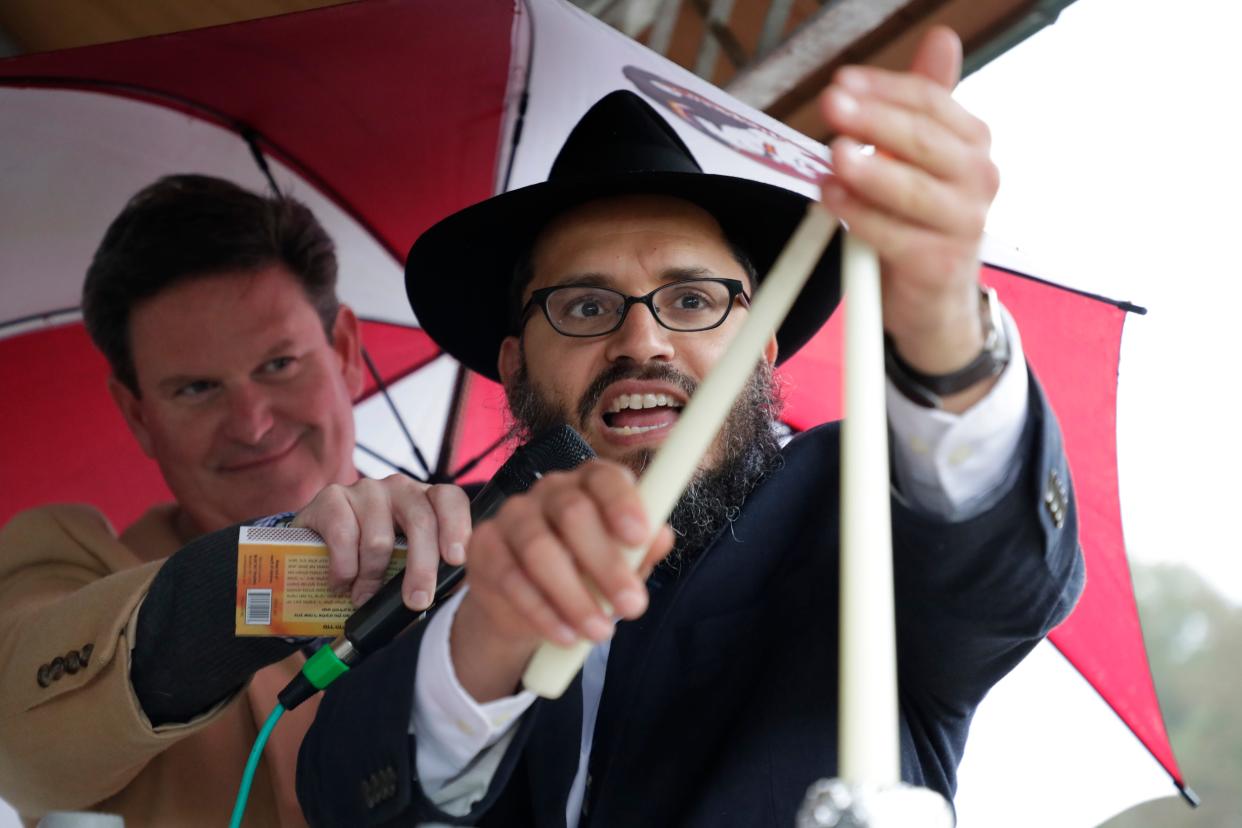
<point>1118,131</point>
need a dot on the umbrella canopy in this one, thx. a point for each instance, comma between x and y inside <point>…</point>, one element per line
<point>387,115</point>
<point>379,148</point>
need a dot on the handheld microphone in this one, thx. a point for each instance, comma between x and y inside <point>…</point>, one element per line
<point>385,614</point>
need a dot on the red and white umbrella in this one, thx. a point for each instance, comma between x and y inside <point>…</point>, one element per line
<point>387,115</point>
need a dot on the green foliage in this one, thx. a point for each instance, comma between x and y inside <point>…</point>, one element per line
<point>1194,641</point>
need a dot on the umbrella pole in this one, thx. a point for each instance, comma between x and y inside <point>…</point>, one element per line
<point>452,428</point>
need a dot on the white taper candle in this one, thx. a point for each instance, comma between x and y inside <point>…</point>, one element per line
<point>868,748</point>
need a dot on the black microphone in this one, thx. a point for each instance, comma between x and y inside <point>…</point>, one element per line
<point>385,614</point>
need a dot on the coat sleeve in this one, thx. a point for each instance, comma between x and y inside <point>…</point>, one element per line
<point>356,765</point>
<point>974,597</point>
<point>72,732</point>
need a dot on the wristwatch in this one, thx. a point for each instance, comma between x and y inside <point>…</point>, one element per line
<point>928,390</point>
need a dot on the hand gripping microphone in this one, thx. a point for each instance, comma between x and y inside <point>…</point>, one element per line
<point>385,614</point>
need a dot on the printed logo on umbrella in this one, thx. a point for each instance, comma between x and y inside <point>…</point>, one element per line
<point>735,131</point>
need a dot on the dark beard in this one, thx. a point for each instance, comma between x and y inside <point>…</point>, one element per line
<point>748,445</point>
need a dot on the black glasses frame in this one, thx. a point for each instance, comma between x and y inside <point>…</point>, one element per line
<point>539,298</point>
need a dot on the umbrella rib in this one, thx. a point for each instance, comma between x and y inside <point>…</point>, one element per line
<point>397,467</point>
<point>251,137</point>
<point>1129,307</point>
<point>478,458</point>
<point>41,316</point>
<point>452,425</point>
<point>210,113</point>
<point>414,368</point>
<point>383,389</point>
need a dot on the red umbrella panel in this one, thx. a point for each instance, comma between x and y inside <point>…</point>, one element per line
<point>377,158</point>
<point>383,117</point>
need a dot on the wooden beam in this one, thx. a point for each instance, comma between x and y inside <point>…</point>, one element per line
<point>890,43</point>
<point>818,42</point>
<point>44,25</point>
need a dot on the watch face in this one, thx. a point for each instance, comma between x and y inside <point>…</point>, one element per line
<point>994,337</point>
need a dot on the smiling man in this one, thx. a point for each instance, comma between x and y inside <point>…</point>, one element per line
<point>235,428</point>
<point>123,687</point>
<point>602,298</point>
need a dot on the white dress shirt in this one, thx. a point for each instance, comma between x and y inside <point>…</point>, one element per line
<point>955,466</point>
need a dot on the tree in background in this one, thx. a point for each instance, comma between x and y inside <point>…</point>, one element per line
<point>1194,642</point>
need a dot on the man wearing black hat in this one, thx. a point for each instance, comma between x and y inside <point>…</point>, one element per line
<point>601,298</point>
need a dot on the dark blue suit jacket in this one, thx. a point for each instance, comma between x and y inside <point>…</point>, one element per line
<point>719,705</point>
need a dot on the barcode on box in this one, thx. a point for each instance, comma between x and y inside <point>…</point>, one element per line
<point>258,607</point>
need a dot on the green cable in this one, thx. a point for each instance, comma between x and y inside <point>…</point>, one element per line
<point>239,808</point>
<point>320,670</point>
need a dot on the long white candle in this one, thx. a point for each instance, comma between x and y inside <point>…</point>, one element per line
<point>554,667</point>
<point>868,750</point>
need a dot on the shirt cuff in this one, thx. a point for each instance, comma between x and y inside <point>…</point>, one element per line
<point>956,466</point>
<point>272,521</point>
<point>451,728</point>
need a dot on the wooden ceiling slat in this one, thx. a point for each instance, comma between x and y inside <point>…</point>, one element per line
<point>818,36</point>
<point>817,43</point>
<point>892,46</point>
<point>44,25</point>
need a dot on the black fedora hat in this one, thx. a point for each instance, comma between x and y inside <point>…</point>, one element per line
<point>459,272</point>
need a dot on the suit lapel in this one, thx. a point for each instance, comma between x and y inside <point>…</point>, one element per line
<point>552,754</point>
<point>627,659</point>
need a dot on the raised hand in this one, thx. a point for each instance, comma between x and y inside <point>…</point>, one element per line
<point>359,524</point>
<point>920,200</point>
<point>541,568</point>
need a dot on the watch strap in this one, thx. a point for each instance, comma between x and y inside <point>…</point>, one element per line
<point>928,390</point>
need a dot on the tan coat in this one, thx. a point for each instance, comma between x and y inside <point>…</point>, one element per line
<point>82,742</point>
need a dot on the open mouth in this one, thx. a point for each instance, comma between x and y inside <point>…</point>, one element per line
<point>639,413</point>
